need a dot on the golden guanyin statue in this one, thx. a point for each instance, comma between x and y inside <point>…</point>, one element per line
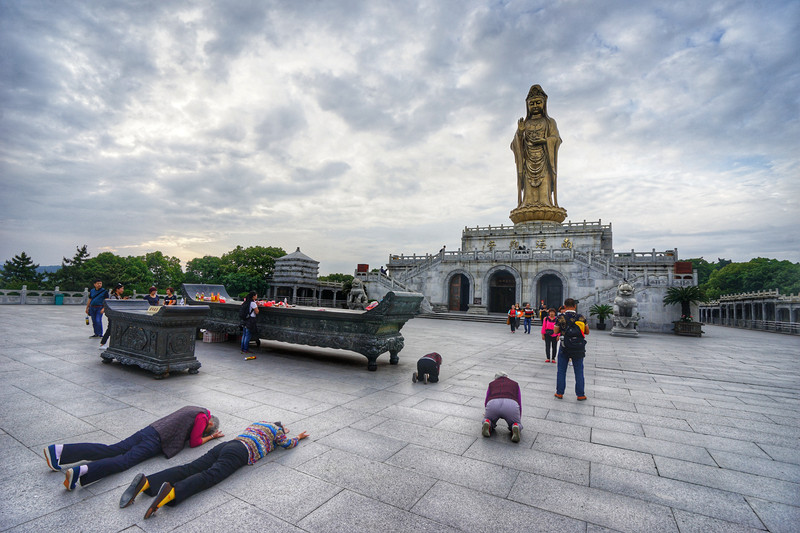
<point>535,148</point>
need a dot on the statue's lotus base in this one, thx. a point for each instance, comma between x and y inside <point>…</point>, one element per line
<point>535,213</point>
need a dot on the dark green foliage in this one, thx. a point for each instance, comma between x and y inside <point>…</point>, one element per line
<point>336,278</point>
<point>207,269</point>
<point>758,274</point>
<point>19,271</point>
<point>72,275</point>
<point>602,311</point>
<point>684,296</point>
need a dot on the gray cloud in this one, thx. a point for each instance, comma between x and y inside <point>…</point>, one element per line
<point>358,129</point>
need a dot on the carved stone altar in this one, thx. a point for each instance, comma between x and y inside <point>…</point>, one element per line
<point>535,146</point>
<point>370,333</point>
<point>161,342</point>
<point>625,314</point>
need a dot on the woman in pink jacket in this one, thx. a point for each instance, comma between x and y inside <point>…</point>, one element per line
<point>550,338</point>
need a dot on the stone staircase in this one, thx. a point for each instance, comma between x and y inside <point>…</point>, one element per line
<point>494,318</point>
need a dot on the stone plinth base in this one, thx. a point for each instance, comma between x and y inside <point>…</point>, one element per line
<point>477,310</point>
<point>624,332</point>
<point>538,213</point>
<point>624,326</point>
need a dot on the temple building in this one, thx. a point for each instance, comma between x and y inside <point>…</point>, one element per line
<point>540,257</point>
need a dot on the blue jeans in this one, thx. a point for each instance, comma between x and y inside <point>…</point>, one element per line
<point>246,335</point>
<point>96,314</point>
<point>561,377</point>
<point>527,325</point>
<point>110,459</point>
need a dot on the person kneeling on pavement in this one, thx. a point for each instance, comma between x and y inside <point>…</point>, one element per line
<point>503,400</point>
<point>428,368</point>
<point>174,485</point>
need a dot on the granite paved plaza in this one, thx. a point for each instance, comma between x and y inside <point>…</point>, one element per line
<point>678,434</point>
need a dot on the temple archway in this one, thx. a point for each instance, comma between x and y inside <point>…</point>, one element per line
<point>550,289</point>
<point>458,293</point>
<point>502,291</point>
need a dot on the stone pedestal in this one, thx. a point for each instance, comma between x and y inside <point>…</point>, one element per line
<point>689,329</point>
<point>475,309</point>
<point>538,213</point>
<point>624,327</point>
<point>160,341</point>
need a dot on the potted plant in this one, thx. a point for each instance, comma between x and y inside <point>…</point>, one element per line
<point>685,296</point>
<point>602,311</point>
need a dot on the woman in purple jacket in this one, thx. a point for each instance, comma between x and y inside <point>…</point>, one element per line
<point>503,400</point>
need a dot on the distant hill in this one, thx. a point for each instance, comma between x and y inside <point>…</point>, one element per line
<point>48,268</point>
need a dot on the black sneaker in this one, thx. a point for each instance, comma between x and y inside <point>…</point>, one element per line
<point>414,377</point>
<point>425,378</point>
<point>133,490</point>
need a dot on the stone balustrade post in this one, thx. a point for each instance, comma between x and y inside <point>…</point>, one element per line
<point>23,295</point>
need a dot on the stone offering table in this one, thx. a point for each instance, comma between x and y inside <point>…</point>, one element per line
<point>370,333</point>
<point>160,341</point>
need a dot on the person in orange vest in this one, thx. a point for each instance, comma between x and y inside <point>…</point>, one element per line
<point>512,318</point>
<point>518,311</point>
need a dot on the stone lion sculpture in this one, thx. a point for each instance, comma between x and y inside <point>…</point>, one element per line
<point>357,299</point>
<point>625,302</point>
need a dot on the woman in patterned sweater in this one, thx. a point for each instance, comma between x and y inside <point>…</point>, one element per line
<point>180,482</point>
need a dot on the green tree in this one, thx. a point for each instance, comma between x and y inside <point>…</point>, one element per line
<point>130,271</point>
<point>166,271</point>
<point>758,274</point>
<point>685,296</point>
<point>336,278</point>
<point>72,275</point>
<point>19,271</point>
<point>705,269</point>
<point>206,270</point>
<point>254,260</point>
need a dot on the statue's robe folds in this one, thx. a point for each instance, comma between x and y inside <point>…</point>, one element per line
<point>525,193</point>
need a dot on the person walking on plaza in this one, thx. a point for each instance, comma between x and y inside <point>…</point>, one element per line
<point>503,400</point>
<point>167,435</point>
<point>249,313</point>
<point>116,294</point>
<point>573,329</point>
<point>174,485</point>
<point>512,318</point>
<point>428,368</point>
<point>542,310</point>
<point>94,307</point>
<point>549,337</point>
<point>518,314</point>
<point>528,316</point>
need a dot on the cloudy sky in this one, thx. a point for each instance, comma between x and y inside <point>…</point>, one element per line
<point>356,129</point>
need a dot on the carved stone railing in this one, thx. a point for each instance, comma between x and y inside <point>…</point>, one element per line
<point>504,229</point>
<point>25,296</point>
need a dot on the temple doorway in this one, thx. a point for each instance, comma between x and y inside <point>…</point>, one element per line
<point>551,290</point>
<point>459,293</point>
<point>502,291</point>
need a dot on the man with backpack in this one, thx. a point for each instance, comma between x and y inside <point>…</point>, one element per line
<point>572,328</point>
